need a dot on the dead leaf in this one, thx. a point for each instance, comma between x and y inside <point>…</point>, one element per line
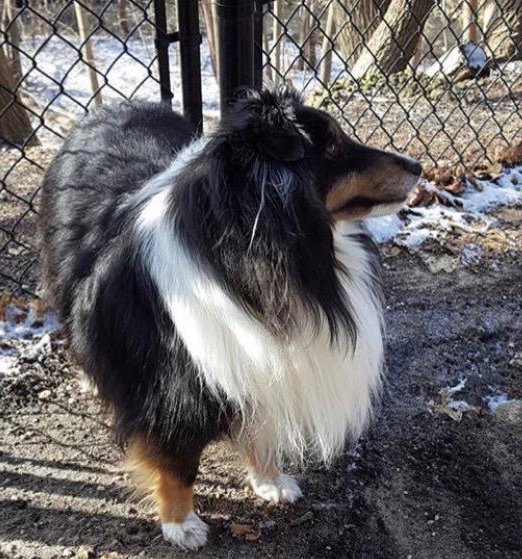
<point>421,197</point>
<point>510,156</point>
<point>456,187</point>
<point>495,169</point>
<point>246,531</point>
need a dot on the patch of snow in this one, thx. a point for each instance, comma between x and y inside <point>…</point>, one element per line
<point>29,327</point>
<point>384,229</point>
<point>505,191</point>
<point>31,334</point>
<point>7,362</point>
<point>449,60</point>
<point>38,350</point>
<point>458,405</point>
<point>467,212</point>
<point>129,71</point>
<point>471,254</point>
<point>458,387</point>
<point>497,400</point>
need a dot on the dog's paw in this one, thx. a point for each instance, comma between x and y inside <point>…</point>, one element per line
<point>282,489</point>
<point>190,534</point>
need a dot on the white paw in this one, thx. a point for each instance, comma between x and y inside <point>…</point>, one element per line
<point>190,534</point>
<point>282,489</point>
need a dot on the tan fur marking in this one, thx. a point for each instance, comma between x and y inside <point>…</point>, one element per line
<point>173,498</point>
<point>381,185</point>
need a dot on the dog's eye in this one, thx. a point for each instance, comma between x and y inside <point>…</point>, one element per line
<point>332,150</point>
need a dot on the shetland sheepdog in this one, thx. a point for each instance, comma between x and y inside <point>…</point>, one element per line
<point>222,287</point>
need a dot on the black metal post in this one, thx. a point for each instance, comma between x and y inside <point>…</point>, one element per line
<point>258,44</point>
<point>189,44</point>
<point>162,42</point>
<point>236,47</point>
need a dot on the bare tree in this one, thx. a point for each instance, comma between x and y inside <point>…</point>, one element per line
<point>123,18</point>
<point>276,33</point>
<point>395,40</point>
<point>327,46</point>
<point>308,37</point>
<point>470,30</point>
<point>356,20</point>
<point>488,13</point>
<point>88,52</point>
<point>9,19</point>
<point>210,19</point>
<point>15,126</point>
<point>504,32</point>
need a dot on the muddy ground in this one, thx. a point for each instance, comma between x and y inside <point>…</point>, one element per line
<point>434,478</point>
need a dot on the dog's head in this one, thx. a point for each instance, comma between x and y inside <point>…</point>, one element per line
<point>352,180</point>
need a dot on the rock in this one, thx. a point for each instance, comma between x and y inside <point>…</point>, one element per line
<point>510,412</point>
<point>85,552</point>
<point>443,263</point>
<point>37,351</point>
<point>267,525</point>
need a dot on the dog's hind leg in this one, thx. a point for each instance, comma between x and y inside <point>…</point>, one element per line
<point>267,481</point>
<point>169,480</point>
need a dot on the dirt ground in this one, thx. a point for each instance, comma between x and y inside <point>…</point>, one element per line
<point>439,475</point>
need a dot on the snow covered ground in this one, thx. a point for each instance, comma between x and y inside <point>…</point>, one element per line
<point>57,76</point>
<point>468,212</point>
<point>24,334</point>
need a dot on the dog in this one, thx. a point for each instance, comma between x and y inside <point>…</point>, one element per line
<point>222,287</point>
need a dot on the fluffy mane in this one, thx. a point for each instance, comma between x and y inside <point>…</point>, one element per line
<point>247,208</point>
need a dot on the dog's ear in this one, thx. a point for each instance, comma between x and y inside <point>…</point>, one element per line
<point>286,145</point>
<point>266,121</point>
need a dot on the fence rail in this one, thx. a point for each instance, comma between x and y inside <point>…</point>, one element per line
<point>441,80</point>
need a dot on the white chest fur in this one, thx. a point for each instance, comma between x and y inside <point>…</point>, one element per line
<point>296,396</point>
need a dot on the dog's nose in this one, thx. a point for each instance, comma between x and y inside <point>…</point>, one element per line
<point>410,165</point>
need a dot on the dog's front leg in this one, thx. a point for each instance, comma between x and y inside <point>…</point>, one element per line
<point>266,479</point>
<point>170,480</point>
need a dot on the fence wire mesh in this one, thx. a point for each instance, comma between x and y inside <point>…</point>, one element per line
<point>58,60</point>
<point>441,81</point>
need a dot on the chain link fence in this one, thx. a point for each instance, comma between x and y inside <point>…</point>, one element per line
<point>58,60</point>
<point>441,81</point>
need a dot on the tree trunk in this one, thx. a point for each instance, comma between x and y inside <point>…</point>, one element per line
<point>10,20</point>
<point>277,29</point>
<point>210,19</point>
<point>308,38</point>
<point>470,29</point>
<point>88,56</point>
<point>504,34</point>
<point>488,13</point>
<point>15,126</point>
<point>123,18</point>
<point>326,49</point>
<point>394,41</point>
<point>356,21</point>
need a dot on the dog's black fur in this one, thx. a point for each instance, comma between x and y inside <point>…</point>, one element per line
<point>117,326</point>
<point>271,157</point>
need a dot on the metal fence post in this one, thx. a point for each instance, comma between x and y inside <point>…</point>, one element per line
<point>162,42</point>
<point>258,43</point>
<point>236,47</point>
<point>189,43</point>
